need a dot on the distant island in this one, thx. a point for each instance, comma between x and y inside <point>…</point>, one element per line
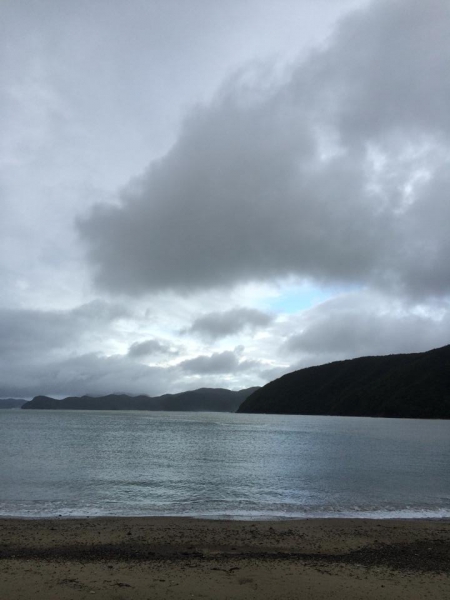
<point>11,403</point>
<point>204,399</point>
<point>413,386</point>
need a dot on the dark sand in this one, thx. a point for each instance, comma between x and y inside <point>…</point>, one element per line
<point>153,558</point>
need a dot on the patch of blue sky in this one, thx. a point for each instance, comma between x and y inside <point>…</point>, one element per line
<point>296,298</point>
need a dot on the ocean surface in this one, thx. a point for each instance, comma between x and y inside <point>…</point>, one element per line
<point>217,465</point>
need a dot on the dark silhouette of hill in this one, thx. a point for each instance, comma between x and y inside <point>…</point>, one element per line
<point>11,403</point>
<point>398,385</point>
<point>204,399</point>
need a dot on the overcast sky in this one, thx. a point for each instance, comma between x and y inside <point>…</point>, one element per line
<point>201,193</point>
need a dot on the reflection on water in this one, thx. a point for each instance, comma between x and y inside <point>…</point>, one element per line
<point>221,465</point>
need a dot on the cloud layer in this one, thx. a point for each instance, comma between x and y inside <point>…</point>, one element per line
<point>150,348</point>
<point>287,211</point>
<point>216,325</point>
<point>360,324</point>
<point>337,173</point>
<point>67,352</point>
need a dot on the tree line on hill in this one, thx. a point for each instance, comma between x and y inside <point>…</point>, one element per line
<point>399,385</point>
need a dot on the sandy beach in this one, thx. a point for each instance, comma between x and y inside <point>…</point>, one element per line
<point>152,558</point>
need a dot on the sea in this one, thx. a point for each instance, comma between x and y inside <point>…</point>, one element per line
<point>221,465</point>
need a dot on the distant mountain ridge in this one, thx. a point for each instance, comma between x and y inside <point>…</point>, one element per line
<point>11,402</point>
<point>398,385</point>
<point>203,399</point>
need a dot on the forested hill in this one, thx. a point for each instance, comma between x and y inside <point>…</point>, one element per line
<point>204,399</point>
<point>399,385</point>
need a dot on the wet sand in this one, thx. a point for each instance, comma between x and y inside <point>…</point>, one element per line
<point>153,558</point>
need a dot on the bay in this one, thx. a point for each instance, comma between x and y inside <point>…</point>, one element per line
<point>221,465</point>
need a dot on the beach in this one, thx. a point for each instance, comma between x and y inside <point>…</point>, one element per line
<point>152,558</point>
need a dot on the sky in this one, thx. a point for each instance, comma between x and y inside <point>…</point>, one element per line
<point>212,194</point>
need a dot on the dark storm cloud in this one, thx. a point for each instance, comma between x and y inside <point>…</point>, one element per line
<point>150,347</point>
<point>339,173</point>
<point>217,325</point>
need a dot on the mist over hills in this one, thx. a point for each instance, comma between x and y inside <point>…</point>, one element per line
<point>397,385</point>
<point>203,399</point>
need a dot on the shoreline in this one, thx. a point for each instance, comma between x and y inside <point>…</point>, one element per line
<point>230,518</point>
<point>183,557</point>
<point>223,519</point>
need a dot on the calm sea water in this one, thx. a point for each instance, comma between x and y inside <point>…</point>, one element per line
<point>221,465</point>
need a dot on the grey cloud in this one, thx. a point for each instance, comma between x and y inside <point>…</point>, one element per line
<point>359,325</point>
<point>339,174</point>
<point>51,352</point>
<point>217,325</point>
<point>271,373</point>
<point>98,311</point>
<point>150,347</point>
<point>218,362</point>
<point>97,374</point>
<point>84,374</point>
<point>385,68</point>
<point>29,332</point>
